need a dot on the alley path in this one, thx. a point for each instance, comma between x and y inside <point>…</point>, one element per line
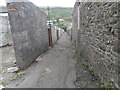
<point>55,69</point>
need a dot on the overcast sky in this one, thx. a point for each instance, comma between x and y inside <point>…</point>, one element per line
<point>60,3</point>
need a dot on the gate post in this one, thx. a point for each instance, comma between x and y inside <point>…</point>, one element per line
<point>50,36</point>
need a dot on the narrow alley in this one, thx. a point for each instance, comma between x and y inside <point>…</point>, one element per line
<point>55,69</point>
<point>62,45</point>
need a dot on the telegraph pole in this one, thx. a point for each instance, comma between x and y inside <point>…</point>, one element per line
<point>49,16</point>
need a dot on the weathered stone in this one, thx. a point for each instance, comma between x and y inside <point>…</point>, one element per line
<point>113,9</point>
<point>116,46</point>
<point>12,69</point>
<point>102,47</point>
<point>98,42</point>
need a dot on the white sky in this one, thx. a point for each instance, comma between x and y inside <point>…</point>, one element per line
<point>60,3</point>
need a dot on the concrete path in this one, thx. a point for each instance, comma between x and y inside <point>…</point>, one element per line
<point>55,69</point>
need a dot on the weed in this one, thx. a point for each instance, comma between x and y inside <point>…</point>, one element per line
<point>18,75</point>
<point>85,64</point>
<point>106,85</point>
<point>102,33</point>
<point>13,78</point>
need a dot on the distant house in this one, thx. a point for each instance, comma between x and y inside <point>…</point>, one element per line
<point>3,11</point>
<point>51,22</point>
<point>61,19</point>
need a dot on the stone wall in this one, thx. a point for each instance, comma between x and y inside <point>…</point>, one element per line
<point>29,31</point>
<point>97,38</point>
<point>75,22</point>
<point>5,33</point>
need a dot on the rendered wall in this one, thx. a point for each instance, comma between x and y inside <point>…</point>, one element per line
<point>29,31</point>
<point>5,33</point>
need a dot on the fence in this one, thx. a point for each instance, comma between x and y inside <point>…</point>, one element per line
<point>56,33</point>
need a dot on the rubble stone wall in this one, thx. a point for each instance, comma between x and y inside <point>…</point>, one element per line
<point>98,37</point>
